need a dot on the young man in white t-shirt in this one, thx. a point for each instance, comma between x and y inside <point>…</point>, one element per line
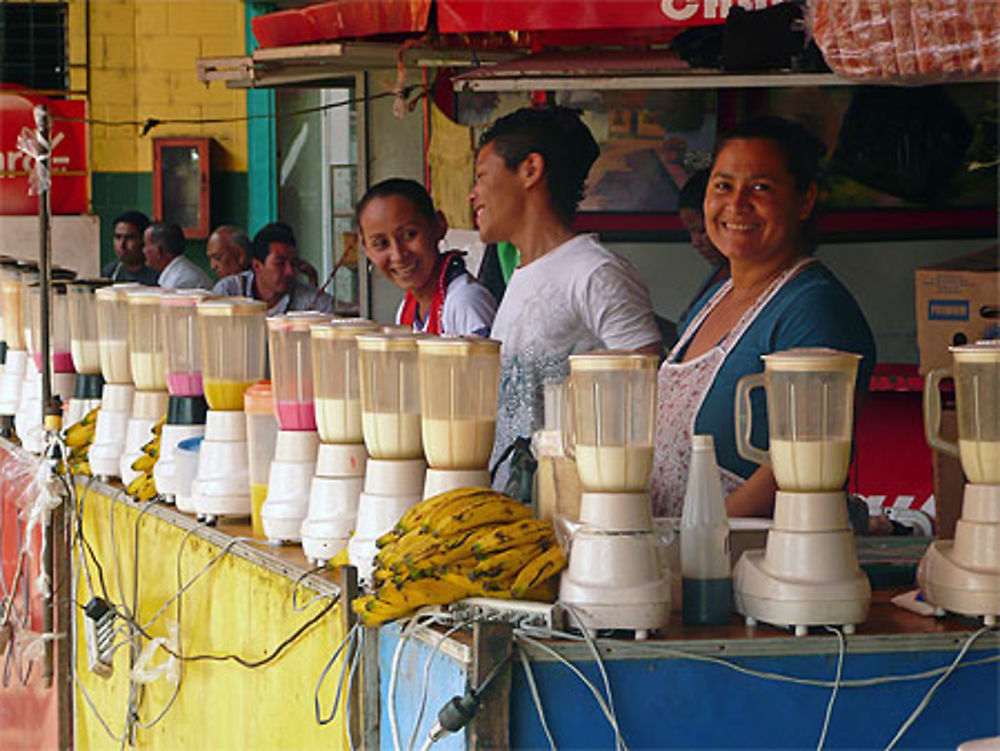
<point>569,294</point>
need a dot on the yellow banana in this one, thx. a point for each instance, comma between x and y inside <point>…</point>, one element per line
<point>450,549</point>
<point>479,588</point>
<point>418,515</point>
<point>144,463</point>
<point>538,570</point>
<point>507,562</point>
<point>79,434</point>
<point>387,539</point>
<point>494,509</point>
<point>413,542</point>
<point>460,502</point>
<point>158,426</point>
<point>148,490</point>
<point>133,487</point>
<point>521,532</point>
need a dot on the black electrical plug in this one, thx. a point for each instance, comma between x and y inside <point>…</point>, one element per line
<point>455,715</point>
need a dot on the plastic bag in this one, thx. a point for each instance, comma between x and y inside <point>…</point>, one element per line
<point>908,41</point>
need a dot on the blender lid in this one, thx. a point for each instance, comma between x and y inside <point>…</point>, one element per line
<point>395,342</point>
<point>88,284</point>
<point>343,328</point>
<point>146,296</point>
<point>231,306</point>
<point>983,350</point>
<point>811,359</point>
<point>259,398</point>
<point>185,298</point>
<point>297,320</point>
<point>612,360</point>
<point>116,292</point>
<point>458,345</point>
<point>58,287</point>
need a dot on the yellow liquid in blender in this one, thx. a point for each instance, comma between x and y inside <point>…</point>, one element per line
<point>258,494</point>
<point>224,394</point>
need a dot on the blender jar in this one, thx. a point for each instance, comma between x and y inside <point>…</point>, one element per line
<point>112,329</point>
<point>59,342</point>
<point>145,340</point>
<point>459,382</point>
<point>810,414</point>
<point>390,395</point>
<point>84,341</point>
<point>182,345</point>
<point>337,394</point>
<point>291,368</point>
<point>233,341</point>
<point>611,419</point>
<point>262,434</point>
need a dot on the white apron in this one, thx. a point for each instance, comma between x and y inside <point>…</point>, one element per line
<point>681,390</point>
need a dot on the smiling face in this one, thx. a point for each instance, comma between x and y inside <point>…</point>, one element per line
<point>497,197</point>
<point>753,210</point>
<point>402,242</point>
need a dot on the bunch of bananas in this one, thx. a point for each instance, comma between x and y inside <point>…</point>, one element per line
<point>470,542</point>
<point>143,487</point>
<point>78,438</point>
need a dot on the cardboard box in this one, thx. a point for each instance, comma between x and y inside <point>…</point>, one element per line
<point>958,302</point>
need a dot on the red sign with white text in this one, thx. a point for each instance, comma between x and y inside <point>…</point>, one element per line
<point>68,194</point>
<point>462,16</point>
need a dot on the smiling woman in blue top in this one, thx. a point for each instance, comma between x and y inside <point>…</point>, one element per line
<point>760,212</point>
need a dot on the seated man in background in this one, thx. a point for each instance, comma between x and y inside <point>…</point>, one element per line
<point>271,276</point>
<point>228,251</point>
<point>130,262</point>
<point>163,246</point>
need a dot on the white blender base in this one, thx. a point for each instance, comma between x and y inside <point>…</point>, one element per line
<point>616,512</point>
<point>138,433</point>
<point>165,470</point>
<point>222,487</point>
<point>439,481</point>
<point>80,408</point>
<point>963,575</point>
<point>616,581</point>
<point>28,419</point>
<point>109,432</point>
<point>288,484</point>
<point>11,380</point>
<point>808,575</point>
<point>185,471</point>
<point>333,501</point>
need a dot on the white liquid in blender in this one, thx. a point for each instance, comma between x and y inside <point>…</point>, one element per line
<point>86,355</point>
<point>339,420</point>
<point>981,461</point>
<point>114,361</point>
<point>810,465</point>
<point>614,468</point>
<point>458,444</point>
<point>391,435</point>
<point>148,371</point>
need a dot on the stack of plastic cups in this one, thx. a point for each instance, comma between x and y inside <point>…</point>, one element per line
<point>294,462</point>
<point>116,398</point>
<point>340,464</point>
<point>262,435</point>
<point>84,347</point>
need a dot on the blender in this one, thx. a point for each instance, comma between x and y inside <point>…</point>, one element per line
<point>28,418</point>
<point>294,462</point>
<point>186,406</point>
<point>459,380</point>
<point>615,579</point>
<point>149,374</point>
<point>84,348</point>
<point>340,464</point>
<point>262,434</point>
<point>116,398</point>
<point>963,575</point>
<point>808,574</point>
<point>233,357</point>
<point>63,375</point>
<point>390,421</point>
<point>11,293</point>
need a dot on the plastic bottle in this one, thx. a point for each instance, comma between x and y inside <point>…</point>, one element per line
<point>707,585</point>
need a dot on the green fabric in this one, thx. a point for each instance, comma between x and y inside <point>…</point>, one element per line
<point>509,258</point>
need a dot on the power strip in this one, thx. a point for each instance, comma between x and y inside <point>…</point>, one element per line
<point>99,633</point>
<point>517,612</point>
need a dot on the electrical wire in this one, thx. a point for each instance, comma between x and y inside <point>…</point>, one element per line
<point>937,684</point>
<point>317,710</point>
<point>530,675</point>
<point>426,681</point>
<point>841,650</point>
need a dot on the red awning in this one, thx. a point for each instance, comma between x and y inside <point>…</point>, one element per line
<point>553,21</point>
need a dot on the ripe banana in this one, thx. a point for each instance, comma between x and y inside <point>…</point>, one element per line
<point>507,562</point>
<point>450,549</point>
<point>456,501</point>
<point>521,532</point>
<point>493,508</point>
<point>148,490</point>
<point>538,570</point>
<point>423,511</point>
<point>133,487</point>
<point>158,426</point>
<point>80,434</point>
<point>144,463</point>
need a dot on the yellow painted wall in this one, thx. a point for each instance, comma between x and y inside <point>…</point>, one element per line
<point>143,65</point>
<point>235,607</point>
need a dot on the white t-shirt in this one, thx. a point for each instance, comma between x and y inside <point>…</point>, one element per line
<point>468,308</point>
<point>578,297</point>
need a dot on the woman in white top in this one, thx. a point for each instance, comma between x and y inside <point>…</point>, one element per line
<point>400,232</point>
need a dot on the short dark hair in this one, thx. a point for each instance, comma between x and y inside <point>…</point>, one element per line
<point>801,148</point>
<point>411,190</point>
<point>275,232</point>
<point>563,141</point>
<point>692,194</point>
<point>136,218</point>
<point>169,236</point>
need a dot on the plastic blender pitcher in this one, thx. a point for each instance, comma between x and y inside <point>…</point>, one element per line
<point>233,348</point>
<point>337,392</point>
<point>291,368</point>
<point>262,433</point>
<point>390,395</point>
<point>810,413</point>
